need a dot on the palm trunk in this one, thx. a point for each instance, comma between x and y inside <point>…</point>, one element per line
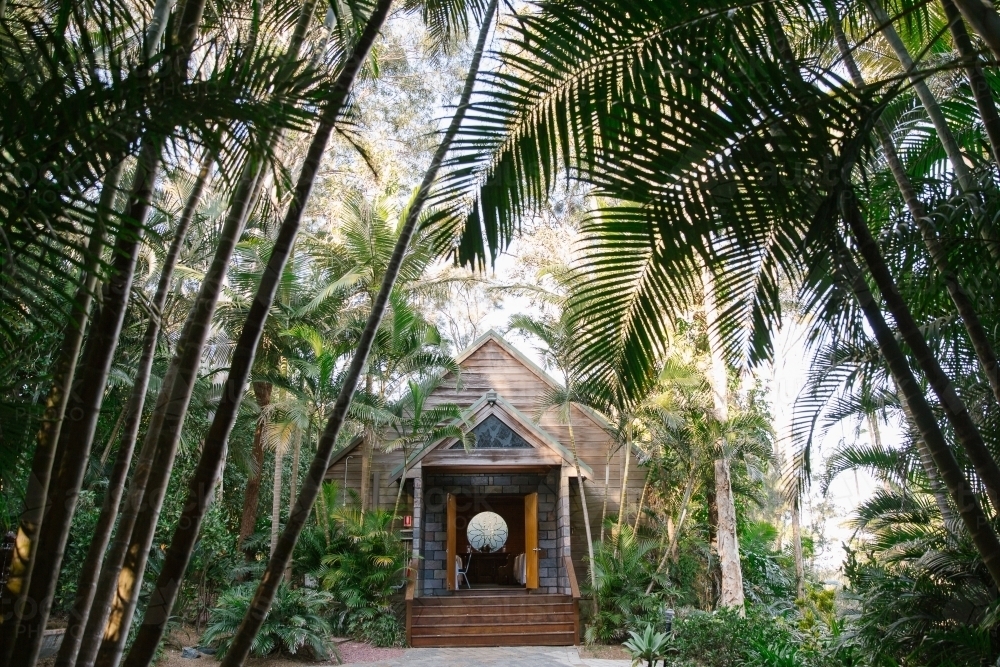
<point>187,360</point>
<point>607,485</point>
<point>264,595</point>
<point>216,442</point>
<point>583,502</point>
<point>984,350</point>
<point>966,431</point>
<point>87,585</point>
<point>984,20</point>
<point>980,529</point>
<point>76,441</point>
<point>279,457</point>
<point>642,501</point>
<point>47,439</point>
<point>251,496</point>
<point>800,569</point>
<point>113,438</point>
<point>728,544</point>
<point>623,495</point>
<point>931,106</point>
<point>977,80</point>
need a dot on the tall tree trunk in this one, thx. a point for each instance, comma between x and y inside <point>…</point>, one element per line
<point>264,595</point>
<point>583,501</point>
<point>76,438</point>
<point>642,500</point>
<point>977,80</point>
<point>623,495</point>
<point>980,529</point>
<point>800,568</point>
<point>47,438</point>
<point>87,584</point>
<point>966,182</point>
<point>251,496</point>
<point>985,352</point>
<point>186,362</point>
<point>731,594</point>
<point>984,20</point>
<point>966,431</point>
<point>607,485</point>
<point>279,459</point>
<point>930,470</point>
<point>216,442</point>
<point>399,491</point>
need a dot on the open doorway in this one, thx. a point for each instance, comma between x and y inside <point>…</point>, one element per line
<point>493,541</point>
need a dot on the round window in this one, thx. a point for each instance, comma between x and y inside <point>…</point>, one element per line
<point>487,531</point>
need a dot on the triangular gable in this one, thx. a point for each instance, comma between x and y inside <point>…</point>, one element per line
<point>524,360</point>
<point>549,450</point>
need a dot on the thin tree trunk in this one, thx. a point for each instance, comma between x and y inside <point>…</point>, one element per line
<point>251,496</point>
<point>77,439</point>
<point>583,500</point>
<point>113,438</point>
<point>607,485</point>
<point>47,438</point>
<point>984,350</point>
<point>279,457</point>
<point>187,361</point>
<point>623,495</point>
<point>966,431</point>
<point>261,603</point>
<point>87,584</point>
<point>966,182</point>
<point>980,529</point>
<point>292,483</point>
<point>977,80</point>
<point>642,500</point>
<point>800,569</point>
<point>731,594</point>
<point>984,20</point>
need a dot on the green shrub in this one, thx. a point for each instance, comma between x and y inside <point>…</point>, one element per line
<point>723,639</point>
<point>623,568</point>
<point>363,572</point>
<point>297,620</point>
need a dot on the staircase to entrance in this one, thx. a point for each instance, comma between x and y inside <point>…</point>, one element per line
<point>493,618</point>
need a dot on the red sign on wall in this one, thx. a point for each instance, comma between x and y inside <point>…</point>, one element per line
<point>407,521</point>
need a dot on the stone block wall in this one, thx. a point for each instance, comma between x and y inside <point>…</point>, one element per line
<point>435,530</point>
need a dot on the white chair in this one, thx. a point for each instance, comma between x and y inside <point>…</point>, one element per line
<point>461,573</point>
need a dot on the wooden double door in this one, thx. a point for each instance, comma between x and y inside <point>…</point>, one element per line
<point>531,549</point>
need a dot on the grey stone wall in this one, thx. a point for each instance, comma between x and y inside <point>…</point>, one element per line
<point>435,530</point>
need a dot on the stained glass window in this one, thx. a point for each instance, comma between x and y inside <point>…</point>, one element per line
<point>494,434</point>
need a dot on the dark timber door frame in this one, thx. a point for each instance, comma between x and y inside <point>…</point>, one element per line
<point>531,541</point>
<point>452,549</point>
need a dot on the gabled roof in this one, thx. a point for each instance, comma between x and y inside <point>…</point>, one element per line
<point>496,405</point>
<point>496,337</point>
